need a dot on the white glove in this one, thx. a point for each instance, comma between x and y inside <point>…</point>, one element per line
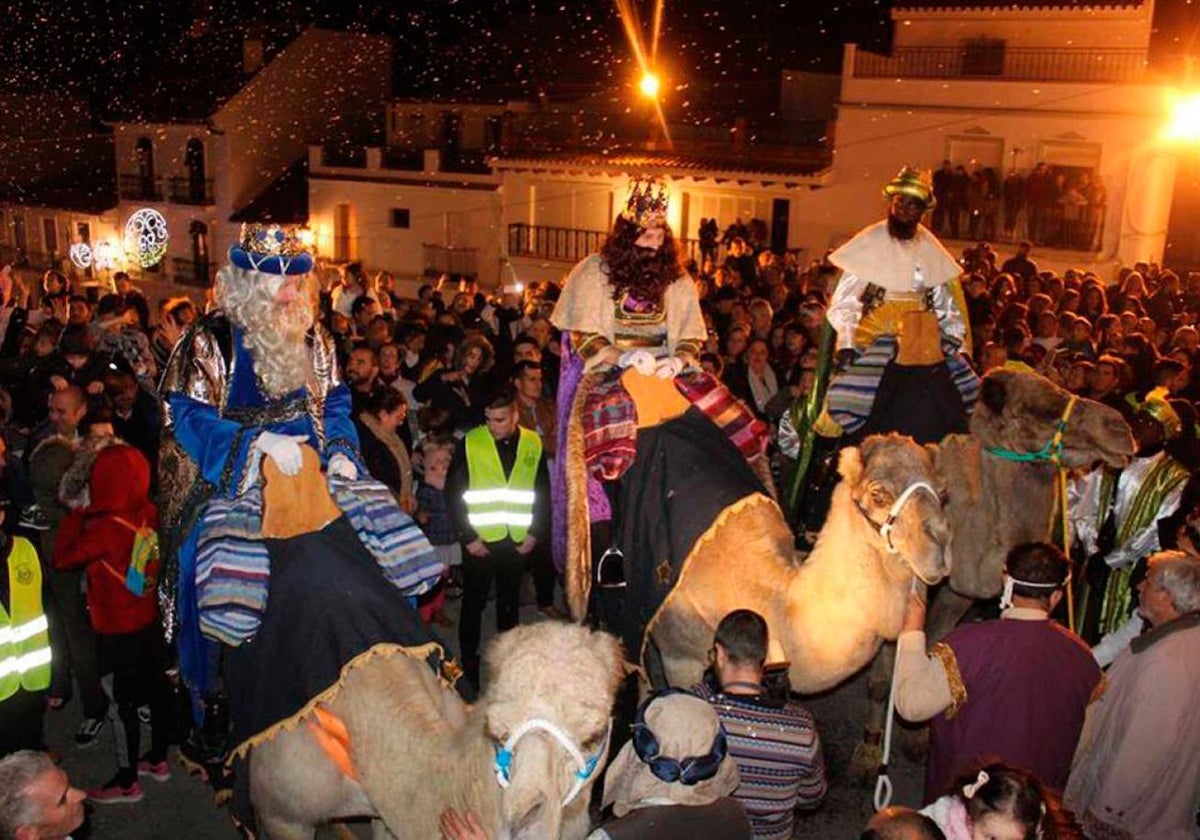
<point>668,367</point>
<point>284,450</point>
<point>642,361</point>
<point>341,466</point>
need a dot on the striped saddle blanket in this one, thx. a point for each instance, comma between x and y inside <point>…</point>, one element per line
<point>233,567</point>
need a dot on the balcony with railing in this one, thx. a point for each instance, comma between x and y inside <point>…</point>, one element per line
<point>198,191</point>
<point>440,259</point>
<point>553,243</point>
<point>139,188</point>
<point>994,61</point>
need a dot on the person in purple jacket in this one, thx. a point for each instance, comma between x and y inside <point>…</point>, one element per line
<point>1014,689</point>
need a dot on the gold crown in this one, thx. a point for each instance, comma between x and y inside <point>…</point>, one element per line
<point>913,183</point>
<point>648,197</point>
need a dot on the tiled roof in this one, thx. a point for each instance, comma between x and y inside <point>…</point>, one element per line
<point>283,201</point>
<point>758,164</point>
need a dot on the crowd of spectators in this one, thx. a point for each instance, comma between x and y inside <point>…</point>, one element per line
<point>80,373</point>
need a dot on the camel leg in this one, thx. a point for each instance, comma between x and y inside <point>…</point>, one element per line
<point>868,755</point>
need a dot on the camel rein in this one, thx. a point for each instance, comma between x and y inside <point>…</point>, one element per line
<point>1051,453</point>
<point>884,529</point>
<point>502,764</point>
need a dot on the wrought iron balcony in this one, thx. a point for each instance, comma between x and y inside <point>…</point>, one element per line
<point>139,188</point>
<point>993,60</point>
<point>197,191</point>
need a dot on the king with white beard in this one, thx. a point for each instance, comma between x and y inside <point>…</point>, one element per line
<point>258,378</point>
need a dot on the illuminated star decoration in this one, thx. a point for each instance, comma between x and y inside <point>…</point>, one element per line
<point>81,254</point>
<point>647,60</point>
<point>146,237</point>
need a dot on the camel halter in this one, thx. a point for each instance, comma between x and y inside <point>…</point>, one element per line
<point>587,767</point>
<point>884,529</point>
<point>1051,453</point>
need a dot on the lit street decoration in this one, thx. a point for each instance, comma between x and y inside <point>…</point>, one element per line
<point>146,237</point>
<point>81,254</point>
<point>104,255</point>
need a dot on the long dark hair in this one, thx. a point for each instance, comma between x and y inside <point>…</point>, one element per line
<point>629,269</point>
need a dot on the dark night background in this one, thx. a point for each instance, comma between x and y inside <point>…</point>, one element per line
<point>443,48</point>
<point>729,52</point>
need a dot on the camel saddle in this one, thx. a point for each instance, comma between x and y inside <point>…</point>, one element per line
<point>296,504</point>
<point>657,400</point>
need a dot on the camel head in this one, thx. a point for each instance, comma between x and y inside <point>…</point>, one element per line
<point>894,486</point>
<point>1020,412</point>
<point>547,710</point>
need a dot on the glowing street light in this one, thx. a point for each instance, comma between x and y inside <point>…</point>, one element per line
<point>649,85</point>
<point>1185,120</point>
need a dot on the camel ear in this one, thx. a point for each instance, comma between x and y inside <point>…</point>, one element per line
<point>850,465</point>
<point>994,393</point>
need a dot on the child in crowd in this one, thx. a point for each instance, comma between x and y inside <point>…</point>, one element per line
<point>434,518</point>
<point>997,803</point>
<point>112,539</point>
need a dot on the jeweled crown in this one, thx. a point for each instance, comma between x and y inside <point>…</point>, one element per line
<point>648,197</point>
<point>271,249</point>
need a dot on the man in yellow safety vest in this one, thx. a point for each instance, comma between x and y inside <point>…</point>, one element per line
<point>24,646</point>
<point>498,495</point>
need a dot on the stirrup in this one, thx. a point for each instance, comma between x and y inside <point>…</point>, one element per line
<point>610,571</point>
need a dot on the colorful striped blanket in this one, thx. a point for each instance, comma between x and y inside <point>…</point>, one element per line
<point>233,566</point>
<point>852,392</point>
<point>610,422</point>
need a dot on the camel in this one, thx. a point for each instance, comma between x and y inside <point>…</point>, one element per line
<point>996,503</point>
<point>414,748</point>
<point>832,611</point>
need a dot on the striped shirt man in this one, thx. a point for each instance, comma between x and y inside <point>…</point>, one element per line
<point>778,755</point>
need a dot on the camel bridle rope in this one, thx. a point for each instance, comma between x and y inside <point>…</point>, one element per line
<point>587,767</point>
<point>884,529</point>
<point>1051,453</point>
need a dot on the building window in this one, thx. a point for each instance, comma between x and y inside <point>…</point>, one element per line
<point>50,235</point>
<point>400,218</point>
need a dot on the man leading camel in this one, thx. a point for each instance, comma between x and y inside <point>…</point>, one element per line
<point>1015,689</point>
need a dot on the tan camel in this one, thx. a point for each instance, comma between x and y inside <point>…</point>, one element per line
<point>996,503</point>
<point>831,611</point>
<point>415,748</point>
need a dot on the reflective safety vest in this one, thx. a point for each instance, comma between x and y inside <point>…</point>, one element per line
<point>498,506</point>
<point>24,634</point>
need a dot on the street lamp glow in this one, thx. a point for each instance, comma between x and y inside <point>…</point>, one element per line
<point>649,85</point>
<point>1185,120</point>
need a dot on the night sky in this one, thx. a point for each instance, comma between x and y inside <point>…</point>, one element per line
<point>445,48</point>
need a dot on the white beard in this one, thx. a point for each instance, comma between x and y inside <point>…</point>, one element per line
<point>274,333</point>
